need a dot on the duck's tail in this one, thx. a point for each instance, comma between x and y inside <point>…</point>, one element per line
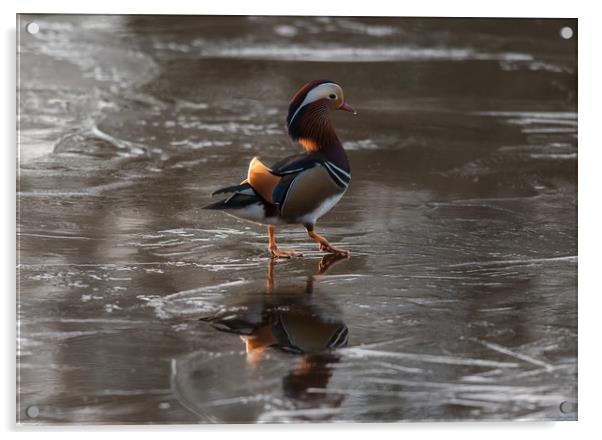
<point>232,189</point>
<point>240,197</point>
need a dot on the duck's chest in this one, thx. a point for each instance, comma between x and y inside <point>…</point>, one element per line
<point>311,195</point>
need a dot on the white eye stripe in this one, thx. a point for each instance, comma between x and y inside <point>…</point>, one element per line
<point>313,95</point>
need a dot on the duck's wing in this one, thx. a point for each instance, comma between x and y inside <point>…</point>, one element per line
<point>313,176</point>
<point>271,183</point>
<point>262,179</point>
<point>289,169</point>
<point>296,164</point>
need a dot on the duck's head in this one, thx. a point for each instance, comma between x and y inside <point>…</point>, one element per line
<point>308,119</point>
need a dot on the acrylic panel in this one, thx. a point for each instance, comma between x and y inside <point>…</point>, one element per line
<point>457,301</point>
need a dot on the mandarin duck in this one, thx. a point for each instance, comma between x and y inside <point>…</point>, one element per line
<point>298,189</point>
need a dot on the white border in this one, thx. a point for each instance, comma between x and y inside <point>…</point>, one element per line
<point>590,145</point>
<point>441,8</point>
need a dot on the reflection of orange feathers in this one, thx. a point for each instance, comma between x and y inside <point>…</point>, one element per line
<point>261,179</point>
<point>257,342</point>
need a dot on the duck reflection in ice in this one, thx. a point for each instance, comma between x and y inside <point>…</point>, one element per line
<point>292,320</point>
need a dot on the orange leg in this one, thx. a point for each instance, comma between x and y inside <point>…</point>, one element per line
<point>325,246</point>
<point>274,248</point>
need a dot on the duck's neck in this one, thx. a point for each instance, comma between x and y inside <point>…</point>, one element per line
<point>315,132</point>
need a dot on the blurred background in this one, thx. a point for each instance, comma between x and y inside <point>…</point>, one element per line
<point>458,300</point>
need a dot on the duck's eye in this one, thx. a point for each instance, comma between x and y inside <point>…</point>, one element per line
<point>332,96</point>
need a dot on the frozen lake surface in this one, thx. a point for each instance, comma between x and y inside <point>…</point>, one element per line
<point>459,299</point>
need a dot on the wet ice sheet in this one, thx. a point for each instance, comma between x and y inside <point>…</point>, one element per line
<point>412,373</point>
<point>459,300</point>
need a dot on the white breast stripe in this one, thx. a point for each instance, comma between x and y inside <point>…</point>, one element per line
<point>340,338</point>
<point>334,174</point>
<point>336,177</point>
<point>342,171</point>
